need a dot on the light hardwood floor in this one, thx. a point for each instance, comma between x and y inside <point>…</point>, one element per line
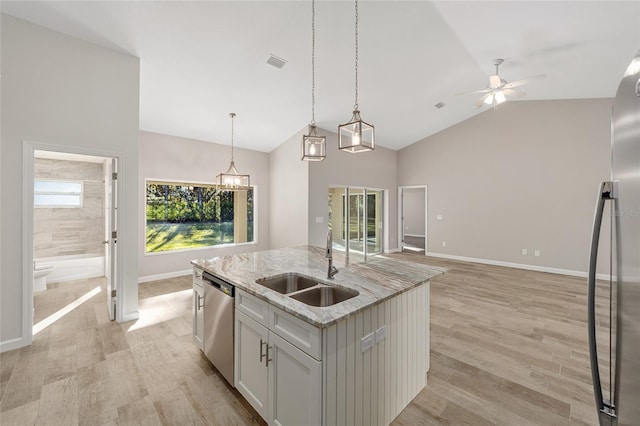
<point>508,347</point>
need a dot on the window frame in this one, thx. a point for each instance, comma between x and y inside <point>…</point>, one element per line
<point>58,193</point>
<point>196,184</point>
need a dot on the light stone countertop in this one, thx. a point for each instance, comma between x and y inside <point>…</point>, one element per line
<point>377,279</point>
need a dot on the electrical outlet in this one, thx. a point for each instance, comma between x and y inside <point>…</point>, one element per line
<point>367,341</point>
<point>536,253</point>
<point>524,252</point>
<point>381,333</point>
<point>319,219</point>
<point>444,244</point>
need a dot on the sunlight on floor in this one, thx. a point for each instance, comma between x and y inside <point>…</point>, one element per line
<point>156,309</point>
<point>37,328</point>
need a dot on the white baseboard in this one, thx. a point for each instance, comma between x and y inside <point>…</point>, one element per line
<point>12,344</point>
<point>164,276</point>
<point>517,265</point>
<point>393,250</point>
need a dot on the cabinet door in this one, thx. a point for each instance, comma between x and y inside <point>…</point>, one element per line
<point>198,316</point>
<point>251,372</point>
<point>296,385</point>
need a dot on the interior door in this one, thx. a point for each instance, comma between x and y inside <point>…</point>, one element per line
<point>111,226</point>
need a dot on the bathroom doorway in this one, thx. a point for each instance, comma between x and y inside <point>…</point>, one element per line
<point>71,197</point>
<point>412,214</point>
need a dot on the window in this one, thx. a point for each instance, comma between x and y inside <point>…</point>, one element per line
<point>56,194</point>
<point>183,216</point>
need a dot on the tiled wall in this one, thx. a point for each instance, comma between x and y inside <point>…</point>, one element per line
<point>70,231</point>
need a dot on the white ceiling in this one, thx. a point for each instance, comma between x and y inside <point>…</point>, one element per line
<point>201,60</point>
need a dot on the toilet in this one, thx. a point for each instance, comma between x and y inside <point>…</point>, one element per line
<point>40,277</point>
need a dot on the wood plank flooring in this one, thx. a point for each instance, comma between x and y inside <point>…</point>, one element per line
<point>508,347</point>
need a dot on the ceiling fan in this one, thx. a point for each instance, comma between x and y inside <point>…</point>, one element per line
<point>498,89</point>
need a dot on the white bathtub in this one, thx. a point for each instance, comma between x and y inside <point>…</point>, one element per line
<point>75,267</point>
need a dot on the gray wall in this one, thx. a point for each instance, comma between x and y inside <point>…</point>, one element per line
<point>374,169</point>
<point>172,158</point>
<point>523,176</point>
<point>289,183</point>
<point>413,211</point>
<point>68,231</point>
<point>61,91</point>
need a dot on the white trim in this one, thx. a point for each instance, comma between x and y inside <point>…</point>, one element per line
<point>415,235</point>
<point>28,155</point>
<point>166,275</point>
<point>401,188</point>
<point>393,250</point>
<point>559,271</point>
<point>9,345</point>
<point>132,316</point>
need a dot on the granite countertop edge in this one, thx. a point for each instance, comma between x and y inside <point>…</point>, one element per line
<point>377,280</point>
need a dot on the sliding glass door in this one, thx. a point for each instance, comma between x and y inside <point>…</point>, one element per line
<point>355,218</point>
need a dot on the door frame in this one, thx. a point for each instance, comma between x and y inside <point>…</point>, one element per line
<point>401,218</point>
<point>28,152</point>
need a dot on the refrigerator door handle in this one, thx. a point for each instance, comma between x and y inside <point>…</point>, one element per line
<point>606,409</point>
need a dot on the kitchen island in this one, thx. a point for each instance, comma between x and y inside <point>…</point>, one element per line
<point>359,361</point>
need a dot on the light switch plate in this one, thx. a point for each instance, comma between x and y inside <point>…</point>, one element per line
<point>381,333</point>
<point>439,217</point>
<point>524,252</point>
<point>367,342</point>
<point>444,244</point>
<point>319,219</point>
<point>536,253</point>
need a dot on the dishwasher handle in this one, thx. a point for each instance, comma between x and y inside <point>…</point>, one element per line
<point>219,284</point>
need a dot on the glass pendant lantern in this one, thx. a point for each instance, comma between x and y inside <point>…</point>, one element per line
<point>356,135</point>
<point>232,180</point>
<point>313,145</point>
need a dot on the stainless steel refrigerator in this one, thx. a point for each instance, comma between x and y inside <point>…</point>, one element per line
<point>615,356</point>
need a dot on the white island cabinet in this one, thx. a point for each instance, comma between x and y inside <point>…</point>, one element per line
<point>280,380</point>
<point>293,373</point>
<point>197,308</point>
<point>359,361</point>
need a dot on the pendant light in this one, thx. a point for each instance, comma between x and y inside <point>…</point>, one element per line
<point>356,135</point>
<point>313,145</point>
<point>232,180</point>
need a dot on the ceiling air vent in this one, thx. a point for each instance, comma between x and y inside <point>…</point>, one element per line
<point>440,105</point>
<point>275,61</point>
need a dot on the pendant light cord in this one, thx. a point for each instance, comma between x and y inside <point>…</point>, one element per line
<point>355,106</point>
<point>313,63</point>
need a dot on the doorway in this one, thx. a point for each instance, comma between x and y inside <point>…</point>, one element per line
<point>69,231</point>
<point>356,219</point>
<point>412,214</point>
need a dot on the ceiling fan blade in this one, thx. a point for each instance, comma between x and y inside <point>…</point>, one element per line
<point>474,91</point>
<point>513,93</point>
<point>524,81</point>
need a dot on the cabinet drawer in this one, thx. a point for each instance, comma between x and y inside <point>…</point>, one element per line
<point>252,307</point>
<point>197,278</point>
<point>299,333</point>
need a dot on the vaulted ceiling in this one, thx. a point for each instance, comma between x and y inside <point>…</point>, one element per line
<point>201,60</point>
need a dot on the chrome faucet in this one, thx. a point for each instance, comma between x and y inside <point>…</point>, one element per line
<point>329,254</point>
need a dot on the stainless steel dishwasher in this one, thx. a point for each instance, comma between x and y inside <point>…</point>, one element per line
<point>218,324</point>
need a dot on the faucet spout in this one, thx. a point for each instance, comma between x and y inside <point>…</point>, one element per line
<point>332,270</point>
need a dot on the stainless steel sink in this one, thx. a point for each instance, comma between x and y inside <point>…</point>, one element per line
<point>287,283</point>
<point>322,296</point>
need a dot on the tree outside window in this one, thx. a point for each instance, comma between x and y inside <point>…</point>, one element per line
<point>184,216</point>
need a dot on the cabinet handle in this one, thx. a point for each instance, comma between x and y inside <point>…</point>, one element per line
<point>268,359</point>
<point>200,305</point>
<point>261,354</point>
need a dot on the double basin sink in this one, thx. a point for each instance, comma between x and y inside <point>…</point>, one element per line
<point>307,290</point>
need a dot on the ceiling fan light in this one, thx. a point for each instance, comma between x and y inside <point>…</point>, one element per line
<point>489,99</point>
<point>500,98</point>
